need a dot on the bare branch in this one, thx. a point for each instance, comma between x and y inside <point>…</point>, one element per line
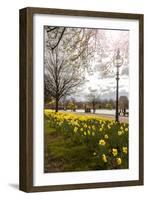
<point>59,39</point>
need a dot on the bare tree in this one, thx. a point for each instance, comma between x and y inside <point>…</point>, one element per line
<point>67,54</point>
<point>93,98</point>
<point>61,80</point>
<point>123,102</point>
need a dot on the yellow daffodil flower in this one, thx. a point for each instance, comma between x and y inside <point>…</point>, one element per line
<point>75,129</point>
<point>85,133</point>
<point>119,161</point>
<point>100,129</point>
<point>126,129</point>
<point>106,136</point>
<point>88,132</point>
<point>102,142</point>
<point>104,158</point>
<point>114,152</point>
<point>120,133</point>
<point>81,129</point>
<point>125,150</point>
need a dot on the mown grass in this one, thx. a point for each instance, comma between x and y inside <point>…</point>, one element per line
<point>64,154</point>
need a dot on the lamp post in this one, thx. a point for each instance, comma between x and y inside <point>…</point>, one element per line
<point>118,61</point>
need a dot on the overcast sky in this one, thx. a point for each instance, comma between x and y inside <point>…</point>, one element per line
<point>106,87</point>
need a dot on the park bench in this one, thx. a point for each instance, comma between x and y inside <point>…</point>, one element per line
<point>87,110</point>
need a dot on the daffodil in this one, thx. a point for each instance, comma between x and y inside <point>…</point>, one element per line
<point>109,126</point>
<point>106,136</point>
<point>119,161</point>
<point>114,152</point>
<point>88,132</point>
<point>126,129</point>
<point>100,129</point>
<point>85,125</point>
<point>120,133</point>
<point>104,158</point>
<point>85,133</point>
<point>76,123</point>
<point>125,150</point>
<point>75,129</point>
<point>102,142</point>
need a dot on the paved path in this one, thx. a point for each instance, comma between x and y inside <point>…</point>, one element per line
<point>112,117</point>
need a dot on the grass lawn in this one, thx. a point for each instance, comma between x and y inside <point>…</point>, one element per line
<point>63,154</point>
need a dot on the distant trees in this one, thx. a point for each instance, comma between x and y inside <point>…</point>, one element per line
<point>92,101</point>
<point>123,102</point>
<point>108,106</point>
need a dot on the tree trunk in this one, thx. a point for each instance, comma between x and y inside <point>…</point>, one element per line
<point>93,107</point>
<point>57,101</point>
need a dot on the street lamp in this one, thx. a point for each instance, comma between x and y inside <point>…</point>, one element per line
<point>117,61</point>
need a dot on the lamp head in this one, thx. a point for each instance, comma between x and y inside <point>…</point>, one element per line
<point>117,59</point>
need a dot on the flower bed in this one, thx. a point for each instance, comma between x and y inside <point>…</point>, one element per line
<point>107,140</point>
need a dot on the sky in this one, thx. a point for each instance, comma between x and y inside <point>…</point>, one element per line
<point>106,87</point>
